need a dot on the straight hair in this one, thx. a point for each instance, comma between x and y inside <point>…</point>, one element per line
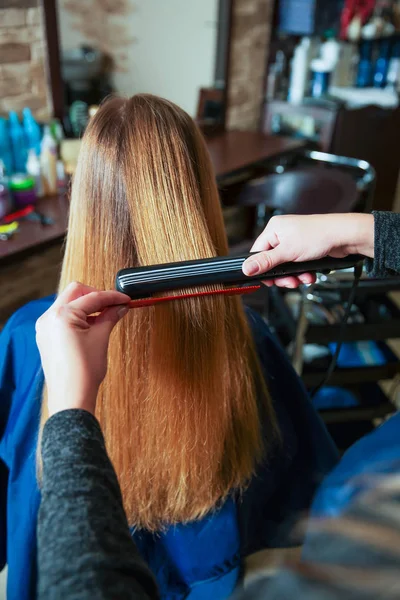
<point>181,405</point>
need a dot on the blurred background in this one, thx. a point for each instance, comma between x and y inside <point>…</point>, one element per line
<point>299,103</point>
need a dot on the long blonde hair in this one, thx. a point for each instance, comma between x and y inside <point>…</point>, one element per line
<point>178,407</point>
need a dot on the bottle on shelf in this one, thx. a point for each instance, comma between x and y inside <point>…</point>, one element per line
<point>6,154</point>
<point>299,71</point>
<point>48,162</point>
<point>276,80</point>
<point>330,51</point>
<point>365,70</point>
<point>18,142</point>
<point>33,169</point>
<point>32,131</point>
<point>393,74</point>
<point>382,64</point>
<point>5,195</point>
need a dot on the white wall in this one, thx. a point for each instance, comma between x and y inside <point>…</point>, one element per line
<point>173,52</point>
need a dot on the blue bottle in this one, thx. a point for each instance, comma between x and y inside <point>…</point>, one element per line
<point>382,64</point>
<point>18,143</point>
<point>6,155</point>
<point>32,131</point>
<point>364,72</point>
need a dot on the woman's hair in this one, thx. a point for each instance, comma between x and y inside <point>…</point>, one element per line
<point>178,407</point>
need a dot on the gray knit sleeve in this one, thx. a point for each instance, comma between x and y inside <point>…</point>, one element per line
<point>387,245</point>
<point>84,546</point>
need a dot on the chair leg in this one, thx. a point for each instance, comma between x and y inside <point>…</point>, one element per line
<point>301,330</point>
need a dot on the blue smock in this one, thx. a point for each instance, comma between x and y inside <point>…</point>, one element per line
<point>373,456</point>
<point>196,561</point>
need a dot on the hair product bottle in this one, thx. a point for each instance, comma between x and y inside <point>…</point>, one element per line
<point>298,77</point>
<point>33,169</point>
<point>32,131</point>
<point>18,144</point>
<point>48,162</point>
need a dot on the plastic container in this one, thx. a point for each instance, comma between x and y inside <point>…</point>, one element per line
<point>6,203</point>
<point>364,72</point>
<point>321,75</point>
<point>5,200</point>
<point>33,169</point>
<point>61,177</point>
<point>18,143</point>
<point>23,190</point>
<point>382,64</point>
<point>6,155</point>
<point>299,73</point>
<point>330,51</point>
<point>48,162</point>
<point>32,131</point>
<point>393,74</point>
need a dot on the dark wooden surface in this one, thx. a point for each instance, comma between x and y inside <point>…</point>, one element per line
<point>230,152</point>
<point>235,150</point>
<point>32,235</point>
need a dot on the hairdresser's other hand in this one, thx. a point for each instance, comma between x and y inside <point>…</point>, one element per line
<point>73,344</point>
<point>296,238</point>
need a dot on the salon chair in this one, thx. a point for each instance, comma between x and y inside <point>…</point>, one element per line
<point>311,183</point>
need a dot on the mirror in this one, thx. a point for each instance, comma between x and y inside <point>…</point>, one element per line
<point>175,49</point>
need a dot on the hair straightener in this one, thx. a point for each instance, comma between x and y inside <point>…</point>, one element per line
<point>141,283</point>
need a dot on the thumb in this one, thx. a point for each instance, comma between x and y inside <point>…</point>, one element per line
<point>263,261</point>
<point>110,317</point>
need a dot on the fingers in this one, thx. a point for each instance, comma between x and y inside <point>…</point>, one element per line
<point>110,317</point>
<point>291,282</point>
<point>307,278</point>
<point>288,282</point>
<point>96,302</point>
<point>73,291</point>
<point>263,261</point>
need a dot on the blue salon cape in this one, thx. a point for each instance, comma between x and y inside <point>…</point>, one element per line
<point>197,561</point>
<point>373,456</point>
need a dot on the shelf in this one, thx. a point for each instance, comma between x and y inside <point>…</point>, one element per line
<point>382,322</point>
<point>357,414</point>
<point>345,376</point>
<point>354,421</point>
<point>375,328</point>
<point>366,287</point>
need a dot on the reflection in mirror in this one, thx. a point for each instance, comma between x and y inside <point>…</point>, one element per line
<point>174,49</point>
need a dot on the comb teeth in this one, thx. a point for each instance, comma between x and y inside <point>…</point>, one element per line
<point>235,291</point>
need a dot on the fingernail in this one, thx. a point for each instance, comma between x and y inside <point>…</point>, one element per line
<point>251,267</point>
<point>122,311</point>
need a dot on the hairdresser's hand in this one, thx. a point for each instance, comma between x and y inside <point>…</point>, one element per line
<point>73,345</point>
<point>309,237</point>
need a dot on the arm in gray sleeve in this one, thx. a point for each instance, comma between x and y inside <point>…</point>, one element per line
<point>85,549</point>
<point>387,245</point>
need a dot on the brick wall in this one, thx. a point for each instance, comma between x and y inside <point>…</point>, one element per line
<point>23,58</point>
<point>251,29</point>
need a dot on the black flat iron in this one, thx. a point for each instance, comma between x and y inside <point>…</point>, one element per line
<point>142,283</point>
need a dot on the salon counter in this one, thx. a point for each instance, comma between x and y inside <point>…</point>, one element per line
<point>30,261</point>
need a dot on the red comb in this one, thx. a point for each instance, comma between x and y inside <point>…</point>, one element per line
<point>225,292</point>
